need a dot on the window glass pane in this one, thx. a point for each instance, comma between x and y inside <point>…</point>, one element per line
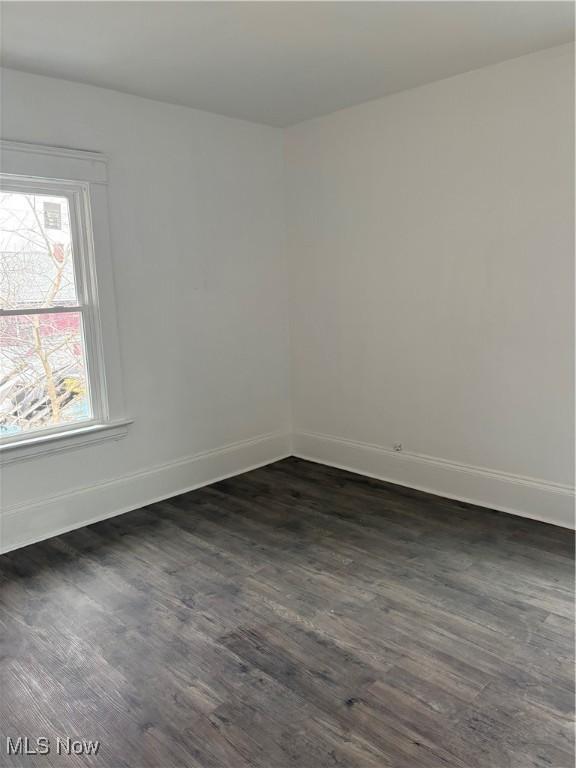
<point>36,265</point>
<point>43,381</point>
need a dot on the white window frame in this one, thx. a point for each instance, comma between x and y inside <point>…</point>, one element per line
<point>80,177</point>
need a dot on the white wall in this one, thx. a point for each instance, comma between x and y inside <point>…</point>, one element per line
<point>197,230</point>
<point>431,243</point>
<point>430,251</point>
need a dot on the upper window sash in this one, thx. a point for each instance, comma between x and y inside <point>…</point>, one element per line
<point>77,195</point>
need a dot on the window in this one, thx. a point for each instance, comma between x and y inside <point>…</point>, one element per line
<point>52,360</point>
<point>44,331</point>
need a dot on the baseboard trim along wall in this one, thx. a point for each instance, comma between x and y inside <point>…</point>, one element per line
<point>41,519</point>
<point>514,494</point>
<point>28,523</point>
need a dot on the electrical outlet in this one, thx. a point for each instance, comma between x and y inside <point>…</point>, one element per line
<point>397,447</point>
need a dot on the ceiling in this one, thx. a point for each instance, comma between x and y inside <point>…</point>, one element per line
<point>272,62</point>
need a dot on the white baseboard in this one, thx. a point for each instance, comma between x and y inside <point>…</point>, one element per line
<point>514,494</point>
<point>28,523</point>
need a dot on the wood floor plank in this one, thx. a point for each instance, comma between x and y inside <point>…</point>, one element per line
<point>300,616</point>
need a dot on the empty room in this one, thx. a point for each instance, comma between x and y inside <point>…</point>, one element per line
<point>287,384</point>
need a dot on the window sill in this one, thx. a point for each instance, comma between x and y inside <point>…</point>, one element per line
<point>42,445</point>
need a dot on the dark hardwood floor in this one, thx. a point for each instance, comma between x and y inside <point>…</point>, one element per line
<point>294,616</point>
